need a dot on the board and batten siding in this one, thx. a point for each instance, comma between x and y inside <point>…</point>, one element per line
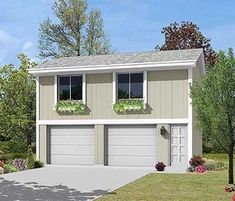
<point>167,97</point>
<point>197,137</point>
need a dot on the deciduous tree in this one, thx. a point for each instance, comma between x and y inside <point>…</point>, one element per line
<point>76,32</point>
<point>17,101</point>
<point>214,101</point>
<point>187,36</point>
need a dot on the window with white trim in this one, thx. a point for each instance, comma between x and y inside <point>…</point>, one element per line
<point>70,87</point>
<point>130,86</point>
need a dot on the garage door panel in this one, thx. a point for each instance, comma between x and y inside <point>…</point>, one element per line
<point>73,150</point>
<point>125,131</point>
<point>72,159</point>
<point>72,140</point>
<point>61,131</point>
<point>132,161</point>
<point>73,145</point>
<point>132,150</point>
<point>132,145</point>
<point>134,140</point>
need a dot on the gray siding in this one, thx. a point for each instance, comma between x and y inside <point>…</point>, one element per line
<point>167,97</point>
<point>43,143</point>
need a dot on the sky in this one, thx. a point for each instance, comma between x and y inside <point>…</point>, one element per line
<point>132,25</point>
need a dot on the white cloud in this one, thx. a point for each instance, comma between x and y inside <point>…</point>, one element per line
<point>27,46</point>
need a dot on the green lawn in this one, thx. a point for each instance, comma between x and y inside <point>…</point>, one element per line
<point>175,187</point>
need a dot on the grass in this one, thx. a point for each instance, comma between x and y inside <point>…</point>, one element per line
<point>176,187</point>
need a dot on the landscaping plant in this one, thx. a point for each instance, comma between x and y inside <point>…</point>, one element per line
<point>124,105</point>
<point>213,99</point>
<point>9,168</point>
<point>1,170</point>
<point>20,164</point>
<point>200,169</point>
<point>75,107</point>
<point>160,166</point>
<point>196,161</point>
<point>38,164</point>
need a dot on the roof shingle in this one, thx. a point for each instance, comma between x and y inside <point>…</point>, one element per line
<point>125,58</point>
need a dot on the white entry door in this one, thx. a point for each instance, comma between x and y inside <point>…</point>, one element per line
<point>132,145</point>
<point>178,145</point>
<point>72,145</point>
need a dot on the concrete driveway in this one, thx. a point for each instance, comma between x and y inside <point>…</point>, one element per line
<point>62,183</point>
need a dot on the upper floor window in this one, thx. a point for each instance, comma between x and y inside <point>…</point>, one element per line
<point>130,85</point>
<point>70,87</point>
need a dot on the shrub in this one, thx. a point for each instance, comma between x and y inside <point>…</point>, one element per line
<point>12,156</point>
<point>1,170</point>
<point>160,166</point>
<point>20,164</point>
<point>229,188</point>
<point>1,164</point>
<point>38,164</point>
<point>200,169</point>
<point>4,147</point>
<point>30,159</point>
<point>17,146</point>
<point>212,165</point>
<point>196,161</point>
<point>8,168</point>
<point>191,169</point>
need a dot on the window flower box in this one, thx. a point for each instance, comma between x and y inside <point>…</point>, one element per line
<point>75,107</point>
<point>126,105</point>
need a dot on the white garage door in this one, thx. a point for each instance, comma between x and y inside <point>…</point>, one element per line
<point>132,145</point>
<point>72,145</point>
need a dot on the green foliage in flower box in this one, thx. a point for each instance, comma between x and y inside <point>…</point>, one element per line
<point>75,107</point>
<point>125,105</point>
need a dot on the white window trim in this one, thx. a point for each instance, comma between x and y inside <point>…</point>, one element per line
<point>145,86</point>
<point>190,117</point>
<point>55,89</point>
<point>114,88</point>
<point>83,87</point>
<point>37,119</point>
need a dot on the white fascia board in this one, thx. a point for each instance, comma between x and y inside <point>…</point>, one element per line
<point>113,68</point>
<point>114,121</point>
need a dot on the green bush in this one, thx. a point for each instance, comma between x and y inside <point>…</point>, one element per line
<point>38,164</point>
<point>1,170</point>
<point>8,168</point>
<point>12,156</point>
<point>212,165</point>
<point>17,146</point>
<point>4,147</point>
<point>30,159</point>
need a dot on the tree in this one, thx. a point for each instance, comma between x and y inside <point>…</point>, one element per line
<point>187,36</point>
<point>214,101</point>
<point>76,33</point>
<point>17,101</point>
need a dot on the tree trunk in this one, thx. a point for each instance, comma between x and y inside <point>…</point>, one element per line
<point>29,139</point>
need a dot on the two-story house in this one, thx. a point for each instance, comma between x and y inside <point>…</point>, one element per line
<point>131,109</point>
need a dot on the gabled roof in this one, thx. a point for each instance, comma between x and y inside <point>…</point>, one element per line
<point>125,58</point>
<point>85,63</point>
